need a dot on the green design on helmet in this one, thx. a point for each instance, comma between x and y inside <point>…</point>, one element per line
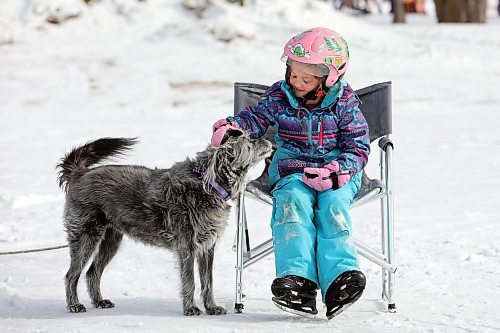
<point>299,51</point>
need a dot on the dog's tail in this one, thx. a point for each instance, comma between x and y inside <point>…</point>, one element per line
<point>78,160</point>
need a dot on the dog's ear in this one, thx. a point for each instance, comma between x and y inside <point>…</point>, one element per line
<point>227,150</point>
<point>227,155</point>
<point>212,166</point>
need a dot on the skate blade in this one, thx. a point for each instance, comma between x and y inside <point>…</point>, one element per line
<point>295,312</point>
<point>342,309</point>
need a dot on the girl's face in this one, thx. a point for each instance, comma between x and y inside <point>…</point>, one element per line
<point>302,82</point>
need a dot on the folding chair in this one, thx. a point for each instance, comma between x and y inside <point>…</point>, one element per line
<point>377,109</point>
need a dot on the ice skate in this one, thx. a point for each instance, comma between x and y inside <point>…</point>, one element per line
<point>343,292</point>
<point>296,295</point>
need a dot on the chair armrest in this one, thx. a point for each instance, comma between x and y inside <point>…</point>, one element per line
<point>384,142</point>
<point>369,188</point>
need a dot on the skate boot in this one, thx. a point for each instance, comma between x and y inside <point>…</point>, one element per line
<point>343,292</point>
<point>295,294</point>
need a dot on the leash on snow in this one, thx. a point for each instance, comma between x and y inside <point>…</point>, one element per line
<point>34,250</point>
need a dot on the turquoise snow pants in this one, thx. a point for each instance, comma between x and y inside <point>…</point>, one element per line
<point>312,230</point>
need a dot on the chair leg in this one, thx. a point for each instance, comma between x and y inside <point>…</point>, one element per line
<point>387,213</point>
<point>238,305</point>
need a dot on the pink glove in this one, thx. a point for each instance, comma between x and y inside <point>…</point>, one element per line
<point>328,177</point>
<point>222,130</point>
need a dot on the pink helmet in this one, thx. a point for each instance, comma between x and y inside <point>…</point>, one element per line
<point>319,46</point>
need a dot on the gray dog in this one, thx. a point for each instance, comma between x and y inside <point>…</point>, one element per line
<point>183,209</point>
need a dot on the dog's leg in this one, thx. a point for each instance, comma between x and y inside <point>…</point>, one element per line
<point>205,267</point>
<point>81,249</point>
<point>107,250</point>
<point>186,265</point>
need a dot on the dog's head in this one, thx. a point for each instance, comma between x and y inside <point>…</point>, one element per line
<point>231,161</point>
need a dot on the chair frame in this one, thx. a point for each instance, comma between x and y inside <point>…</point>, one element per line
<point>381,190</point>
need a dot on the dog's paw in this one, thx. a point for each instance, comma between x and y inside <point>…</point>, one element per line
<point>216,310</point>
<point>104,304</point>
<point>192,311</point>
<point>77,308</point>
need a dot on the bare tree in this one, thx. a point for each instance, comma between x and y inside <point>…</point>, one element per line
<point>461,11</point>
<point>475,11</point>
<point>399,11</point>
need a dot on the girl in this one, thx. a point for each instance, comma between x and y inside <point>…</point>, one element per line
<point>322,146</point>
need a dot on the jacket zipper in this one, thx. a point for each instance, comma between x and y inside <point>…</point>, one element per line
<point>320,130</point>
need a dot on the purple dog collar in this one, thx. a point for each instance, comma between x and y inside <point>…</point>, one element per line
<point>216,186</point>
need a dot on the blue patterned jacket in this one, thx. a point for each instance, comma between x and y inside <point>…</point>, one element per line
<point>334,130</point>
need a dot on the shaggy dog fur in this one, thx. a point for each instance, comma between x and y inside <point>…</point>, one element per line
<point>174,208</point>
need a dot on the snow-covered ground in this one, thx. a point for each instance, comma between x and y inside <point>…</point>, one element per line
<point>155,70</point>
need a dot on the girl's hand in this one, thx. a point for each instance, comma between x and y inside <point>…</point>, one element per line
<point>222,130</point>
<point>328,177</point>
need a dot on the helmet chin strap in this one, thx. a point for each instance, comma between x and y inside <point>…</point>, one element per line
<point>314,94</point>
